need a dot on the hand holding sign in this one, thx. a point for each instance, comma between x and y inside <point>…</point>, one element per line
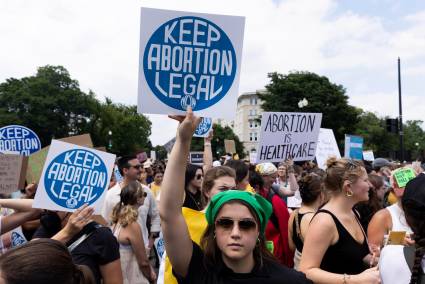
<point>187,124</point>
<point>78,220</point>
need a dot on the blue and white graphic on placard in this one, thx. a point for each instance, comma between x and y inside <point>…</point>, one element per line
<point>204,127</point>
<point>17,139</point>
<point>189,59</point>
<point>353,147</point>
<point>72,176</point>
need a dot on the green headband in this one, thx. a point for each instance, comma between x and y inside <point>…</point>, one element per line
<point>261,206</point>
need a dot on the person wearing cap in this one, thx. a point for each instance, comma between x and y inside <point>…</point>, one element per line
<point>406,264</point>
<point>233,246</point>
<point>390,218</point>
<point>147,166</point>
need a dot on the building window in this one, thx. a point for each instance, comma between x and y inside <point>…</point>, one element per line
<point>255,136</point>
<point>251,136</point>
<point>251,124</point>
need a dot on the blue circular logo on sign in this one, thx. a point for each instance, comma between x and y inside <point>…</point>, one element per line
<point>204,126</point>
<point>19,139</point>
<point>75,177</point>
<point>189,61</point>
<point>17,239</point>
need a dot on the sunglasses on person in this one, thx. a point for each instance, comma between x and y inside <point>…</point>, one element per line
<point>199,176</point>
<point>138,167</point>
<point>228,223</point>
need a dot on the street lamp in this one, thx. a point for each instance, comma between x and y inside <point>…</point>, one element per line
<point>110,139</point>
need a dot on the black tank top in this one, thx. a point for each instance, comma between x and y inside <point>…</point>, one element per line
<point>346,255</point>
<point>296,238</point>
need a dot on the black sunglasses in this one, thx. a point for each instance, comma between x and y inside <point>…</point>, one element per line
<point>228,223</point>
<point>199,176</point>
<point>136,166</point>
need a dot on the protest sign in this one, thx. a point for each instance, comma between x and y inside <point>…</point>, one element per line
<point>204,127</point>
<point>294,201</point>
<point>118,176</point>
<point>17,138</point>
<point>368,155</point>
<point>72,176</point>
<point>229,146</point>
<point>153,156</point>
<point>353,147</point>
<point>253,157</point>
<point>288,135</point>
<point>326,147</point>
<point>12,172</point>
<point>189,59</point>
<point>36,160</point>
<point>403,176</point>
<point>12,239</point>
<point>196,158</point>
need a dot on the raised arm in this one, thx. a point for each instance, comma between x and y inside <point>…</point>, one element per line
<point>17,204</point>
<point>176,235</point>
<point>208,159</point>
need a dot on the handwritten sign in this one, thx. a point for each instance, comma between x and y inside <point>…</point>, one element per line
<point>12,172</point>
<point>20,139</point>
<point>189,59</point>
<point>287,135</point>
<point>72,176</point>
<point>204,127</point>
<point>326,147</point>
<point>403,175</point>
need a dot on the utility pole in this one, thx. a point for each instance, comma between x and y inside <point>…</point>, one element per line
<point>400,115</point>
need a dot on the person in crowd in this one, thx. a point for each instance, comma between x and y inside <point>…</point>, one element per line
<point>277,227</point>
<point>135,265</point>
<point>147,166</point>
<point>233,246</point>
<point>376,200</point>
<point>130,167</point>
<point>155,186</point>
<point>192,187</point>
<point>242,173</point>
<point>406,264</point>
<point>255,181</point>
<point>23,212</point>
<point>336,248</point>
<point>286,179</point>
<point>143,176</point>
<point>313,196</point>
<point>389,219</point>
<point>42,261</point>
<point>88,242</point>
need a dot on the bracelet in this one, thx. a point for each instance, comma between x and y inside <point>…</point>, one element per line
<point>346,277</point>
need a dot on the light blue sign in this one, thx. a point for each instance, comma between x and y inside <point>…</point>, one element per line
<point>75,177</point>
<point>118,176</point>
<point>353,147</point>
<point>17,239</point>
<point>19,139</point>
<point>189,61</point>
<point>204,127</point>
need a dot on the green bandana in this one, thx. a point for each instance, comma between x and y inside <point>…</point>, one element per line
<point>261,206</point>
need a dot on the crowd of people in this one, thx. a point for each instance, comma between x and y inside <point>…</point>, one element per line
<point>227,222</point>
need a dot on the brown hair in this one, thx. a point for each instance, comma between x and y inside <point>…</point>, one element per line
<point>209,179</point>
<point>212,253</point>
<point>43,261</point>
<point>340,170</point>
<point>310,188</point>
<point>124,212</point>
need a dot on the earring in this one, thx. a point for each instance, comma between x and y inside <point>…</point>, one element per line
<point>349,193</point>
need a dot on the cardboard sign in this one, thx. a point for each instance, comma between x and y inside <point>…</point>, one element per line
<point>403,176</point>
<point>230,146</point>
<point>368,155</point>
<point>196,158</point>
<point>36,160</point>
<point>286,135</point>
<point>189,59</point>
<point>396,238</point>
<point>326,147</point>
<point>17,138</point>
<point>353,147</point>
<point>204,127</point>
<point>12,172</point>
<point>72,176</point>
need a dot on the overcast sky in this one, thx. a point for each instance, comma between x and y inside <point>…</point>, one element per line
<point>355,43</point>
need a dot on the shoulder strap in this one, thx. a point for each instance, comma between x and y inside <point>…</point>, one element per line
<point>84,237</point>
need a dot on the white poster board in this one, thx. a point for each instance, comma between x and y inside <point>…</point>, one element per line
<point>204,127</point>
<point>72,176</point>
<point>189,59</point>
<point>368,155</point>
<point>252,157</point>
<point>286,135</point>
<point>326,147</point>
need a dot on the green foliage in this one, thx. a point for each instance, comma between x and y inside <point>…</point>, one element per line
<point>414,138</point>
<point>285,91</point>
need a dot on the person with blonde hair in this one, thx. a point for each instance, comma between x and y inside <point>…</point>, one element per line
<point>135,265</point>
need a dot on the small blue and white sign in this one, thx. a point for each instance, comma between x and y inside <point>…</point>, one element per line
<point>204,127</point>
<point>189,59</point>
<point>18,139</point>
<point>72,176</point>
<point>17,239</point>
<point>353,147</point>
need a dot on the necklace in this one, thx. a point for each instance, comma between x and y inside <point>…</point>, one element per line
<point>197,203</point>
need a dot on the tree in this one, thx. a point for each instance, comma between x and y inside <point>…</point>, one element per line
<point>285,91</point>
<point>414,138</point>
<point>217,144</point>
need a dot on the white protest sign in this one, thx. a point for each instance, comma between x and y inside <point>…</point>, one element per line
<point>326,147</point>
<point>189,59</point>
<point>12,239</point>
<point>294,201</point>
<point>204,127</point>
<point>72,176</point>
<point>18,139</point>
<point>368,155</point>
<point>287,135</point>
<point>252,157</point>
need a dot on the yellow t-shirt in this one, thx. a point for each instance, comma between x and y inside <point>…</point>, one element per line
<point>155,189</point>
<point>196,223</point>
<point>249,188</point>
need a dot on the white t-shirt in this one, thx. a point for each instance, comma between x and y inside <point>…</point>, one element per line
<point>393,266</point>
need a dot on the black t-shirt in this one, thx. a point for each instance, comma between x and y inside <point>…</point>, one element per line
<point>270,273</point>
<point>100,248</point>
<point>193,201</point>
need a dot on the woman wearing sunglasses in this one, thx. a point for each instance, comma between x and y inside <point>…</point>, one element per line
<point>233,247</point>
